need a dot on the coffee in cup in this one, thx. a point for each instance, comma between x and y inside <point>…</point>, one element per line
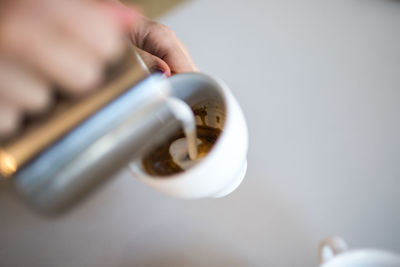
<point>172,157</point>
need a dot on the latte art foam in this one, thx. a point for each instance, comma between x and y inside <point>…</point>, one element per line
<point>172,157</point>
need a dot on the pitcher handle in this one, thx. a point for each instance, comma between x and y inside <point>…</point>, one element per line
<point>330,247</point>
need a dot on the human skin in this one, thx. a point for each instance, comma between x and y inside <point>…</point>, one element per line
<point>47,44</point>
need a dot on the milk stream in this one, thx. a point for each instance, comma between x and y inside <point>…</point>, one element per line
<point>184,151</point>
<point>191,137</point>
<point>185,115</point>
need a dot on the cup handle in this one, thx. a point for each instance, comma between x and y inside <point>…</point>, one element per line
<point>330,247</point>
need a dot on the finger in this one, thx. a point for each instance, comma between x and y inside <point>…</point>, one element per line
<point>23,88</point>
<point>161,41</point>
<point>9,119</point>
<point>59,57</point>
<point>173,51</point>
<point>94,24</point>
<point>68,65</point>
<point>63,61</point>
<point>154,63</point>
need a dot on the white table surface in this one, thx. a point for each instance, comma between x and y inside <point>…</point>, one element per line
<point>319,82</point>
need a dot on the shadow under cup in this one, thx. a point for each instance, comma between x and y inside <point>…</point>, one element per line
<point>224,166</point>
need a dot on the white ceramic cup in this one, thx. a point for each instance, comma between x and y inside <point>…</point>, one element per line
<point>333,252</point>
<point>222,170</point>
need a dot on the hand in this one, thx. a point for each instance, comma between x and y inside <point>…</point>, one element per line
<point>160,49</point>
<point>64,43</point>
<point>44,43</point>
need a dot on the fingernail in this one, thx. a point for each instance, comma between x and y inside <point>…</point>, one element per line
<point>164,73</point>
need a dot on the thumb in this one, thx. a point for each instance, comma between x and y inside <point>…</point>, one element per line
<point>154,63</point>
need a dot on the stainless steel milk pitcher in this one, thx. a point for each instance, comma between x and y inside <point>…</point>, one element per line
<point>59,173</point>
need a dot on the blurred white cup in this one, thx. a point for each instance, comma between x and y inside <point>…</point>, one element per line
<point>333,252</point>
